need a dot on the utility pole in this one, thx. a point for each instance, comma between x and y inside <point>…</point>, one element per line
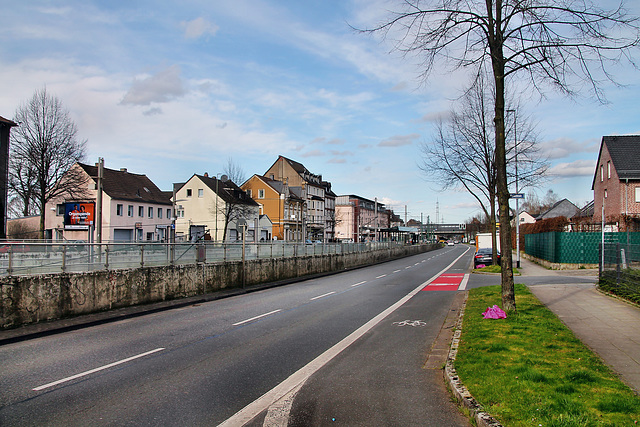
<point>98,219</point>
<point>99,200</point>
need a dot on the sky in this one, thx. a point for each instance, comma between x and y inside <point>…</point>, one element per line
<point>169,89</point>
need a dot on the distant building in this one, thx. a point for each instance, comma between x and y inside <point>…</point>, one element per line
<point>133,208</point>
<point>616,181</point>
<point>281,203</point>
<point>525,218</point>
<point>359,219</point>
<point>209,208</point>
<point>318,221</point>
<point>5,131</point>
<point>562,208</point>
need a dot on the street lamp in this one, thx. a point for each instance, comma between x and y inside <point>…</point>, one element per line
<point>515,148</point>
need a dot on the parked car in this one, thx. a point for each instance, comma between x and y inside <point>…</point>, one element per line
<point>450,243</point>
<point>484,257</point>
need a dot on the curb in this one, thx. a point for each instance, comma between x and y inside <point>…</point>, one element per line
<point>462,395</point>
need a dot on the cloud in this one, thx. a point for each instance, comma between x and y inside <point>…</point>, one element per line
<point>341,153</point>
<point>564,147</point>
<point>337,160</point>
<point>159,88</point>
<point>435,117</point>
<point>198,27</point>
<point>153,111</point>
<point>399,140</point>
<point>313,153</point>
<point>574,169</point>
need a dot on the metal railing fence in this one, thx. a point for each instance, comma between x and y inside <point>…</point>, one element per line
<point>620,269</point>
<point>30,258</point>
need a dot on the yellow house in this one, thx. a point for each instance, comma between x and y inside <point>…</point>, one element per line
<point>281,203</point>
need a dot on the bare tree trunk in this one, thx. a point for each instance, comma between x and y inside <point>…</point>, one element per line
<point>508,290</point>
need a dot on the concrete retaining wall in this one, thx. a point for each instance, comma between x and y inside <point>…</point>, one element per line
<point>26,300</point>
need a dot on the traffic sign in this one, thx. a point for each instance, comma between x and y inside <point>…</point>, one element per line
<point>516,195</point>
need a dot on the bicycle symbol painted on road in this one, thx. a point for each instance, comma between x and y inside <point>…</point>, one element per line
<point>412,323</point>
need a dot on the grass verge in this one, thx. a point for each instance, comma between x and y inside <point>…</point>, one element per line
<point>530,370</point>
<point>496,269</point>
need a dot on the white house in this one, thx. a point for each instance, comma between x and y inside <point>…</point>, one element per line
<point>133,208</point>
<point>206,207</point>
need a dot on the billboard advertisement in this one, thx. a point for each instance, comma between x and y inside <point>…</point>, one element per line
<point>78,215</point>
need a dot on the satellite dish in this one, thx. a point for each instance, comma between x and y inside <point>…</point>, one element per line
<point>224,178</point>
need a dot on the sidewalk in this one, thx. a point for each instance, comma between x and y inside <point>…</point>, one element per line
<point>605,324</point>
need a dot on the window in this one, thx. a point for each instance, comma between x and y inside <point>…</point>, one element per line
<point>168,213</point>
<point>609,169</point>
<point>60,209</point>
<point>200,192</point>
<point>150,212</point>
<point>141,211</point>
<point>601,173</point>
<point>119,209</point>
<point>160,213</point>
<point>188,192</point>
<point>637,194</point>
<point>130,210</point>
<point>249,192</point>
<point>261,193</point>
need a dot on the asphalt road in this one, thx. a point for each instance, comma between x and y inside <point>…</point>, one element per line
<point>201,364</point>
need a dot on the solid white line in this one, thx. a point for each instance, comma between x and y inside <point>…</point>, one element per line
<point>397,271</point>
<point>73,377</point>
<point>322,296</point>
<point>250,411</point>
<point>359,283</point>
<point>463,284</point>
<point>257,317</point>
<point>380,277</point>
<point>408,267</point>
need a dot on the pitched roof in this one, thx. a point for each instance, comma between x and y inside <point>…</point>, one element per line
<point>586,211</point>
<point>278,186</point>
<point>7,122</point>
<point>227,190</point>
<point>562,208</point>
<point>625,155</point>
<point>123,185</point>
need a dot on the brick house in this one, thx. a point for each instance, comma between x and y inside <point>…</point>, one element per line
<point>616,181</point>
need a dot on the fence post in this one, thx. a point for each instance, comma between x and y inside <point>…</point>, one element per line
<point>618,263</point>
<point>10,269</point>
<point>141,255</point>
<point>64,258</point>
<point>106,258</point>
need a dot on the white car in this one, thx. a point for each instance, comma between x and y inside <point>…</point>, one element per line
<point>450,243</point>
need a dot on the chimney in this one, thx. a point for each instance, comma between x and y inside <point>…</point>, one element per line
<point>206,175</point>
<point>123,169</point>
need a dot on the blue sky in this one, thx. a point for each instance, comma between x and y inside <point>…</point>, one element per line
<point>169,89</point>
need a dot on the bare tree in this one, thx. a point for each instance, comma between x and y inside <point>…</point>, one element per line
<point>461,154</point>
<point>43,148</point>
<point>564,43</point>
<point>231,204</point>
<point>234,171</point>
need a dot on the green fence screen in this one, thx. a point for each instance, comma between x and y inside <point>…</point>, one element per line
<point>572,248</point>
